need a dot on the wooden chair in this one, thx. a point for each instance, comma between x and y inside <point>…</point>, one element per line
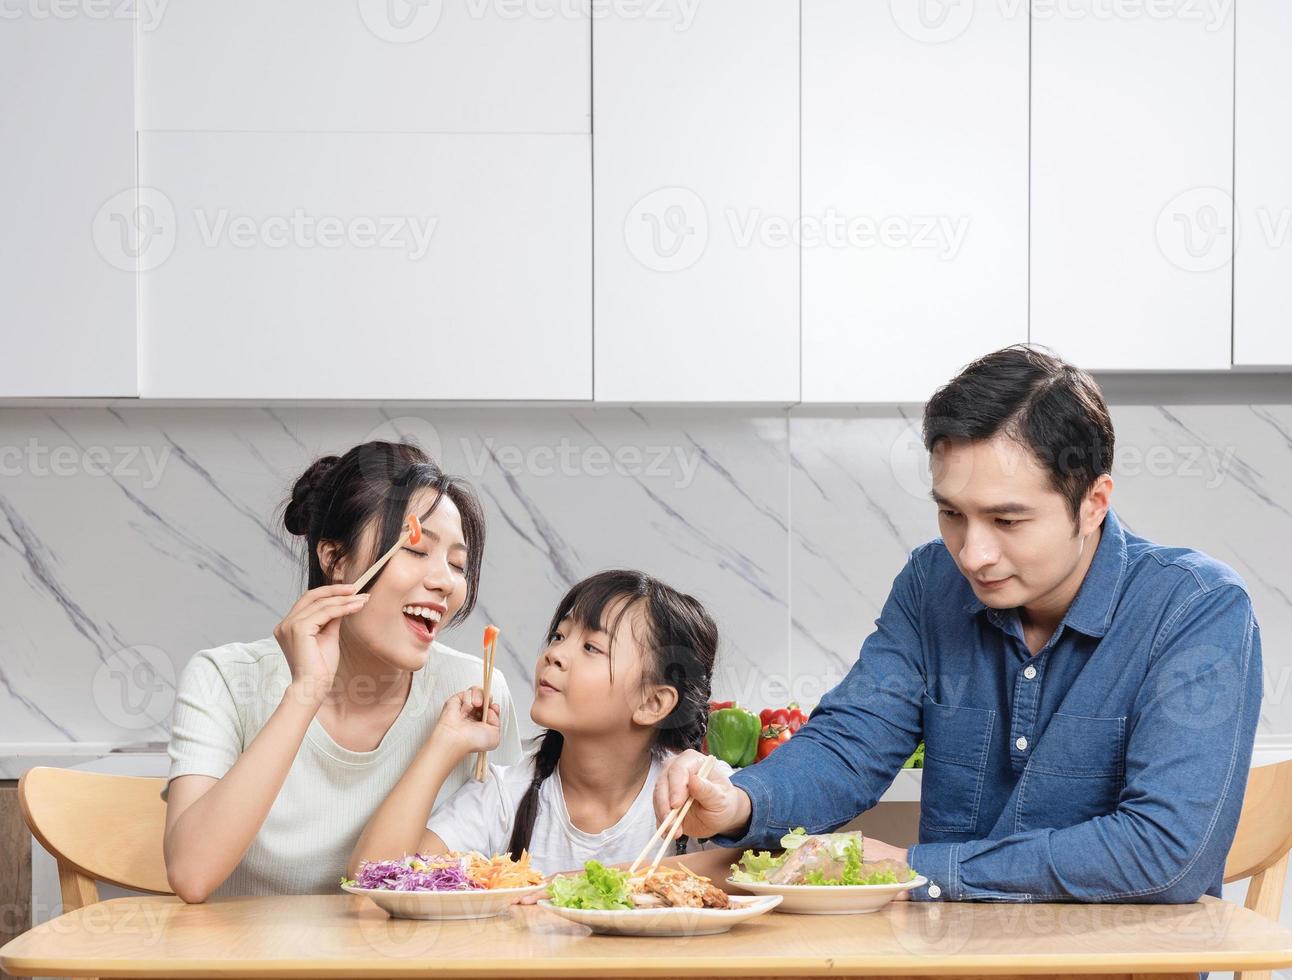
<point>1262,843</point>
<point>98,828</point>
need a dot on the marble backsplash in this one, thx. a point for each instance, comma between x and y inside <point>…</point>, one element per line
<point>131,537</point>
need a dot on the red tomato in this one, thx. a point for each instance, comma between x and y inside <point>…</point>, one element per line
<point>772,738</point>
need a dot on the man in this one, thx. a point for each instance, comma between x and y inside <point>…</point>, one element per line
<point>1088,699</point>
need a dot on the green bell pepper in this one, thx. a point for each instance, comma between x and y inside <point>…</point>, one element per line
<point>733,735</point>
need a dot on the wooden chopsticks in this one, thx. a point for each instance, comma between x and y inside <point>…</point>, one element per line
<point>490,652</point>
<point>412,535</point>
<point>669,826</point>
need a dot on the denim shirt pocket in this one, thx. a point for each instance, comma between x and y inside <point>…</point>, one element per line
<point>1075,774</point>
<point>956,743</point>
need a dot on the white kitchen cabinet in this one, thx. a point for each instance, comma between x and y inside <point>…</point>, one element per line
<point>502,66</point>
<point>69,227</point>
<point>914,195</point>
<point>368,266</point>
<point>1263,179</point>
<point>1132,177</point>
<point>696,192</point>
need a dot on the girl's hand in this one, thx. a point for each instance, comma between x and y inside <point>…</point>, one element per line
<point>460,726</point>
<point>309,636</point>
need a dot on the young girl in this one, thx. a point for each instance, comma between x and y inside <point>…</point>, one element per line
<point>621,686</point>
<point>280,748</point>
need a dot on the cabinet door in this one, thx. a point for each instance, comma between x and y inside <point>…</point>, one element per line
<point>496,66</point>
<point>1263,165</point>
<point>914,194</point>
<point>696,193</point>
<point>70,228</point>
<point>1132,143</point>
<point>369,266</point>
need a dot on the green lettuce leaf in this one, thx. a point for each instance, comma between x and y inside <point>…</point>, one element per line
<point>794,838</point>
<point>598,887</point>
<point>756,866</point>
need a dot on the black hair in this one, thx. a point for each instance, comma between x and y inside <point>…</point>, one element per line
<point>339,496</point>
<point>1050,407</point>
<point>681,642</point>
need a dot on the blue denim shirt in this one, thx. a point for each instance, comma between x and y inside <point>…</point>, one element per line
<point>1108,767</point>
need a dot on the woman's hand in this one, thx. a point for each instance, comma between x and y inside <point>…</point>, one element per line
<point>309,636</point>
<point>460,727</point>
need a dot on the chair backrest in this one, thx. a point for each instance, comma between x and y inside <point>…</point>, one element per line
<point>98,828</point>
<point>1261,844</point>
<point>1264,834</point>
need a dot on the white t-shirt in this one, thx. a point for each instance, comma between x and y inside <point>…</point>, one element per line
<point>480,817</point>
<point>225,697</point>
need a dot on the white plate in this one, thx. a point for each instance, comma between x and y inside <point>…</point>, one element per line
<point>475,904</point>
<point>667,922</point>
<point>831,899</point>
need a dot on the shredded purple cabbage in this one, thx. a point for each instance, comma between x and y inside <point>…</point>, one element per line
<point>398,876</point>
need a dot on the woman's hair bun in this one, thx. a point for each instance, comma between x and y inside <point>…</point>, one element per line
<point>300,509</point>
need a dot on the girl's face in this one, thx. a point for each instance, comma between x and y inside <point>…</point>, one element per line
<point>574,692</point>
<point>419,590</point>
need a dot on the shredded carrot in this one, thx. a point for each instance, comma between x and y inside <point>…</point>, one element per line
<point>500,871</point>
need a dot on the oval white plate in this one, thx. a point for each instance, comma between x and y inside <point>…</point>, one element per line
<point>831,899</point>
<point>475,904</point>
<point>668,921</point>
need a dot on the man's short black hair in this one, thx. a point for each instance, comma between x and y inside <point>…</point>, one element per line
<point>1052,408</point>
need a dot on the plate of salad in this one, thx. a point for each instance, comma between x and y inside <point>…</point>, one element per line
<point>446,886</point>
<point>824,874</point>
<point>670,901</point>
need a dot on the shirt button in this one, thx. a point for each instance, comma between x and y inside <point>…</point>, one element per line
<point>935,891</point>
<point>1029,672</point>
<point>1021,744</point>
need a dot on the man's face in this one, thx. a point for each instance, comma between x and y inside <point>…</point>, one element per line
<point>1010,532</point>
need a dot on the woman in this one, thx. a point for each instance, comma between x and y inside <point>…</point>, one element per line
<point>282,748</point>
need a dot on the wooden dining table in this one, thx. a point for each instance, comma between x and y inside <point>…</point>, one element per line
<point>347,936</point>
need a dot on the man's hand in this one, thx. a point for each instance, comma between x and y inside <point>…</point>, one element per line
<point>719,807</point>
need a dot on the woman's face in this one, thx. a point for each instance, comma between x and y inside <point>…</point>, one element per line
<point>418,591</point>
<point>574,692</point>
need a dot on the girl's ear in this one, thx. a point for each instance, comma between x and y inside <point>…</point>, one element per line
<point>659,704</point>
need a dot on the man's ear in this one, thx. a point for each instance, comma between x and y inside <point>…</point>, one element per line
<point>1095,507</point>
<point>658,705</point>
<point>335,570</point>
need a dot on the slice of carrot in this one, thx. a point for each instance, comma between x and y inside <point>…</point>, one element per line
<point>414,529</point>
<point>491,634</point>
